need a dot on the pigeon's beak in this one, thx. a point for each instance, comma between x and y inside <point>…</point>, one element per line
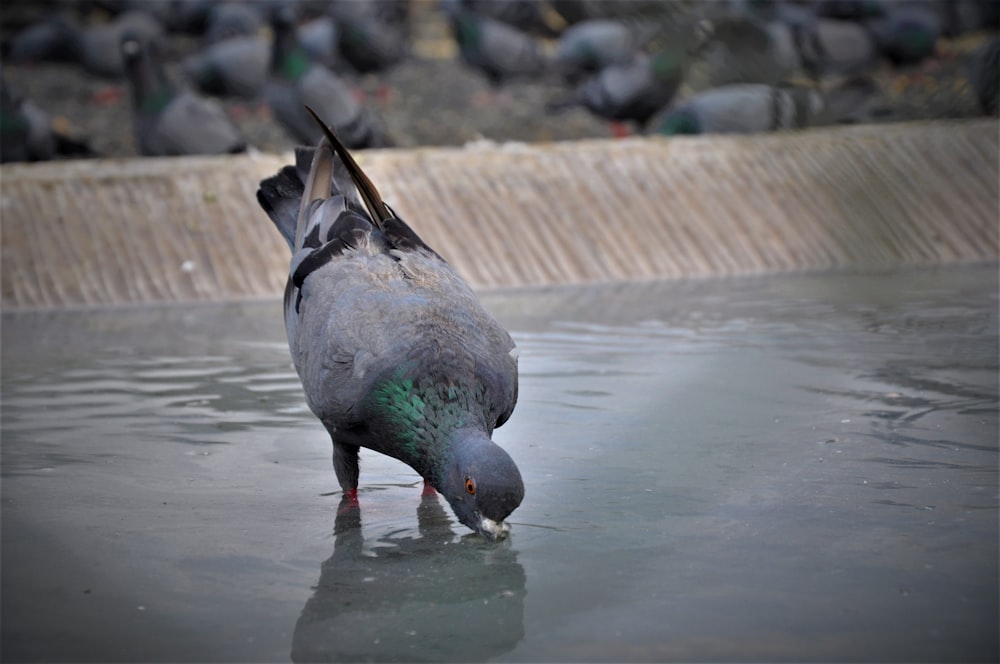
<point>492,530</point>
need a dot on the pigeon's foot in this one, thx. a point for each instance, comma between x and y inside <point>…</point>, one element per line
<point>348,502</point>
<point>109,95</point>
<point>619,129</point>
<point>428,490</point>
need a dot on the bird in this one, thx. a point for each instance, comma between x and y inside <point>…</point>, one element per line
<point>94,48</point>
<point>588,46</point>
<point>231,19</point>
<point>372,37</point>
<point>744,108</point>
<point>295,81</point>
<point>30,133</point>
<point>234,67</point>
<point>167,121</point>
<point>320,37</point>
<point>394,350</point>
<point>496,49</point>
<point>984,74</point>
<point>907,34</point>
<point>632,91</point>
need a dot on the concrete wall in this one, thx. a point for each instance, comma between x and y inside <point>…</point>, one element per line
<point>876,196</point>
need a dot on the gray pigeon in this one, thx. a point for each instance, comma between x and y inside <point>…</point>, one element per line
<point>296,82</point>
<point>908,33</point>
<point>232,19</point>
<point>394,350</point>
<point>320,37</point>
<point>633,91</point>
<point>591,45</point>
<point>744,108</point>
<point>372,36</point>
<point>984,74</point>
<point>171,122</point>
<point>498,50</point>
<point>234,67</point>
<point>95,48</point>
<point>744,50</point>
<point>29,133</point>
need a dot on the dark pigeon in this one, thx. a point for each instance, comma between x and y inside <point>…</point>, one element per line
<point>233,19</point>
<point>296,82</point>
<point>589,46</point>
<point>29,133</point>
<point>908,33</point>
<point>372,36</point>
<point>984,74</point>
<point>394,350</point>
<point>496,49</point>
<point>168,121</point>
<point>634,91</point>
<point>94,48</point>
<point>234,67</point>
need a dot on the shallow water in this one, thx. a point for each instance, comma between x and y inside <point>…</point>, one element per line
<point>799,467</point>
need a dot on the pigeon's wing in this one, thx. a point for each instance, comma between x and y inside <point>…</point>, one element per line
<point>195,125</point>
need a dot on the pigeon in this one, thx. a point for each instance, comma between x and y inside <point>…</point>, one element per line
<point>744,108</point>
<point>295,81</point>
<point>372,36</point>
<point>984,74</point>
<point>907,34</point>
<point>234,67</point>
<point>320,38</point>
<point>167,121</point>
<point>498,50</point>
<point>394,351</point>
<point>849,10</point>
<point>232,19</point>
<point>531,16</point>
<point>29,133</point>
<point>633,91</point>
<point>960,17</point>
<point>94,48</point>
<point>589,46</point>
<point>778,50</point>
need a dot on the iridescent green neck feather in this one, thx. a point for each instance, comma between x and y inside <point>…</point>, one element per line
<point>420,417</point>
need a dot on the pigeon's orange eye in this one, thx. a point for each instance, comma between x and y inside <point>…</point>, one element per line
<point>470,486</point>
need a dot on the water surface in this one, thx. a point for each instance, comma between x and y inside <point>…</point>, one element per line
<point>799,467</point>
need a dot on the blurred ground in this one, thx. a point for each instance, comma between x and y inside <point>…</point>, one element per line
<point>435,99</point>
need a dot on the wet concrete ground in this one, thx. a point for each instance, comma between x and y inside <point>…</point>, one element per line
<point>796,467</point>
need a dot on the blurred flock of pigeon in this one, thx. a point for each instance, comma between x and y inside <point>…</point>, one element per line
<point>118,78</point>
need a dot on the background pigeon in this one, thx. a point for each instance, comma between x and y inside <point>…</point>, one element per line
<point>497,49</point>
<point>394,350</point>
<point>168,121</point>
<point>296,82</point>
<point>744,108</point>
<point>633,91</point>
<point>29,133</point>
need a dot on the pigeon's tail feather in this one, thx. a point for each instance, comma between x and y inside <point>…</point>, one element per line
<point>369,193</point>
<point>316,187</point>
<point>397,231</point>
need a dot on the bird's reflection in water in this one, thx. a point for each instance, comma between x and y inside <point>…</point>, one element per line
<point>432,596</point>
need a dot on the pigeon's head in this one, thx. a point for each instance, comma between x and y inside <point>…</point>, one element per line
<point>482,484</point>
